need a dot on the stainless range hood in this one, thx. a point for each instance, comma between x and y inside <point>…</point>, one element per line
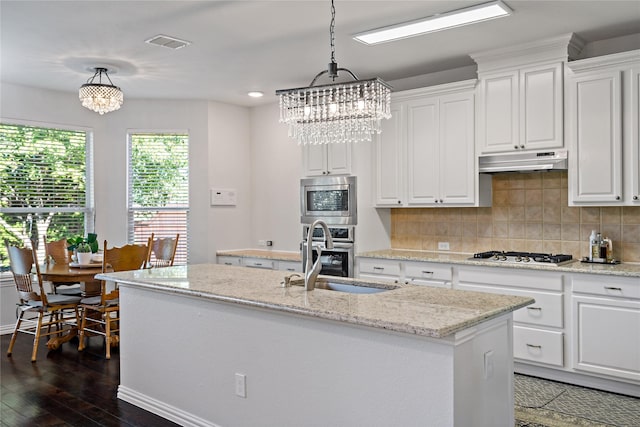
<point>523,162</point>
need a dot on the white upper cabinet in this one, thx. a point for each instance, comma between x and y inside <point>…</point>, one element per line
<point>425,155</point>
<point>389,158</point>
<point>327,159</point>
<point>602,130</point>
<point>520,96</point>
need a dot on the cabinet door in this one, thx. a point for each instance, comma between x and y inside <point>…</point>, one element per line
<point>498,113</point>
<point>634,137</point>
<point>422,151</point>
<point>607,336</point>
<point>339,158</point>
<point>456,149</point>
<point>314,159</point>
<point>595,172</point>
<point>541,107</point>
<point>389,149</point>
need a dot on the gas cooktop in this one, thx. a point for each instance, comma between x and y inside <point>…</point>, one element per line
<point>511,257</point>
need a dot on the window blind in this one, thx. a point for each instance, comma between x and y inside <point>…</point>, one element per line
<point>158,193</point>
<point>45,186</point>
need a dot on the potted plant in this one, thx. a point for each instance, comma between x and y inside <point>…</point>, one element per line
<point>83,252</point>
<point>91,240</point>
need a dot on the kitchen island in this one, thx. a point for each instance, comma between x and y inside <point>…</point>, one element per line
<point>209,345</point>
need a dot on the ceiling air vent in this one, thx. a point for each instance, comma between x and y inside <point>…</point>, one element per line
<point>168,42</point>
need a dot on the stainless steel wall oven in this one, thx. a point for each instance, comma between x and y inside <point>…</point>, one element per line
<point>337,261</point>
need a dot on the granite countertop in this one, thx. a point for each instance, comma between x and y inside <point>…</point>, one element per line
<point>623,269</point>
<point>262,253</point>
<point>413,309</point>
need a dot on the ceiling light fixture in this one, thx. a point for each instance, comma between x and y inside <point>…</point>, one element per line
<point>335,112</point>
<point>255,94</point>
<point>99,97</point>
<point>456,18</point>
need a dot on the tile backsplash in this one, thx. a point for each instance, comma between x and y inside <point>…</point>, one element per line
<point>530,212</point>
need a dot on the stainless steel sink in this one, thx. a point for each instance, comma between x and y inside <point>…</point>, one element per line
<point>349,286</point>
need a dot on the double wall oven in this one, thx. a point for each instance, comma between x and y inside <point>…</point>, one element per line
<point>333,200</point>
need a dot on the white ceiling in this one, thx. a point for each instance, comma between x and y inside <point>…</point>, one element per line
<point>238,46</point>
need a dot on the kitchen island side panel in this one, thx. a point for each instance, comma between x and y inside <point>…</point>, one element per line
<point>180,356</point>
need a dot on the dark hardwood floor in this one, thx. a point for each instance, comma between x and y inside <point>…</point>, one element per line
<point>65,387</point>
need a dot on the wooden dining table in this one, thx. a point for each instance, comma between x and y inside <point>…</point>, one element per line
<point>66,273</point>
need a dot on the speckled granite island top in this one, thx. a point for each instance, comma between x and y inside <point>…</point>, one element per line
<point>420,310</point>
<point>624,269</point>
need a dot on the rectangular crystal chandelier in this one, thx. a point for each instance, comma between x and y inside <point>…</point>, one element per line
<point>337,112</point>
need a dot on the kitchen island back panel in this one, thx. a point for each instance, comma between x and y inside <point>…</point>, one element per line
<point>530,212</point>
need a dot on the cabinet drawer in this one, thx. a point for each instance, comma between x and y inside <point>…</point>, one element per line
<point>548,310</point>
<point>229,260</point>
<point>258,263</point>
<point>290,266</point>
<point>521,278</point>
<point>428,271</point>
<point>539,346</point>
<point>382,267</point>
<point>610,286</point>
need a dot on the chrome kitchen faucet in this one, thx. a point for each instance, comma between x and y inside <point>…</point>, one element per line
<point>312,269</point>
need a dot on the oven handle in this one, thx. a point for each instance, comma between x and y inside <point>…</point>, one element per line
<point>337,246</point>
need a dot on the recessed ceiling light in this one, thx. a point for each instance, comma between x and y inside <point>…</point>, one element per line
<point>456,18</point>
<point>255,94</point>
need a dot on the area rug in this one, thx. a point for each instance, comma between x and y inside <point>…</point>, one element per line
<point>543,403</point>
<point>538,417</point>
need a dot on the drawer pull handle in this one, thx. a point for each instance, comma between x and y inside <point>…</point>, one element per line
<point>612,288</point>
<point>228,263</point>
<point>378,268</point>
<point>427,272</point>
<point>259,264</point>
<point>534,308</point>
<point>539,347</point>
<point>291,269</point>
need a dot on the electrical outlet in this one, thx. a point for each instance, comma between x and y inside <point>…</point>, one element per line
<point>443,246</point>
<point>269,242</point>
<point>241,385</point>
<point>262,243</point>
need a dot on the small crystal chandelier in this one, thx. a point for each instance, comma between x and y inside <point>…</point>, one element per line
<point>99,97</point>
<point>335,112</point>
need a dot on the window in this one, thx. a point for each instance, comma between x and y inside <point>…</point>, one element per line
<point>158,194</point>
<point>45,185</point>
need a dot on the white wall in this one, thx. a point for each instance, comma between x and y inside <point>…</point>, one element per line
<point>229,165</point>
<point>276,162</point>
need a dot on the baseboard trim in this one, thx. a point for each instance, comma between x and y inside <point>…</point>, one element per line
<point>162,409</point>
<point>578,378</point>
<point>7,329</point>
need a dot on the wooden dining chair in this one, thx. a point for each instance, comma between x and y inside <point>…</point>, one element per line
<point>162,251</point>
<point>101,313</point>
<point>62,310</point>
<point>56,252</point>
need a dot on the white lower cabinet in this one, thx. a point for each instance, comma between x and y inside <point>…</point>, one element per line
<point>378,269</point>
<point>606,326</point>
<point>537,345</point>
<point>428,273</point>
<point>290,266</point>
<point>229,260</point>
<point>259,263</point>
<point>583,328</point>
<point>269,264</point>
<point>538,332</point>
<point>407,272</point>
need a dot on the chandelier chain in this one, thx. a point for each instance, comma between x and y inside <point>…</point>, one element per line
<point>331,32</point>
